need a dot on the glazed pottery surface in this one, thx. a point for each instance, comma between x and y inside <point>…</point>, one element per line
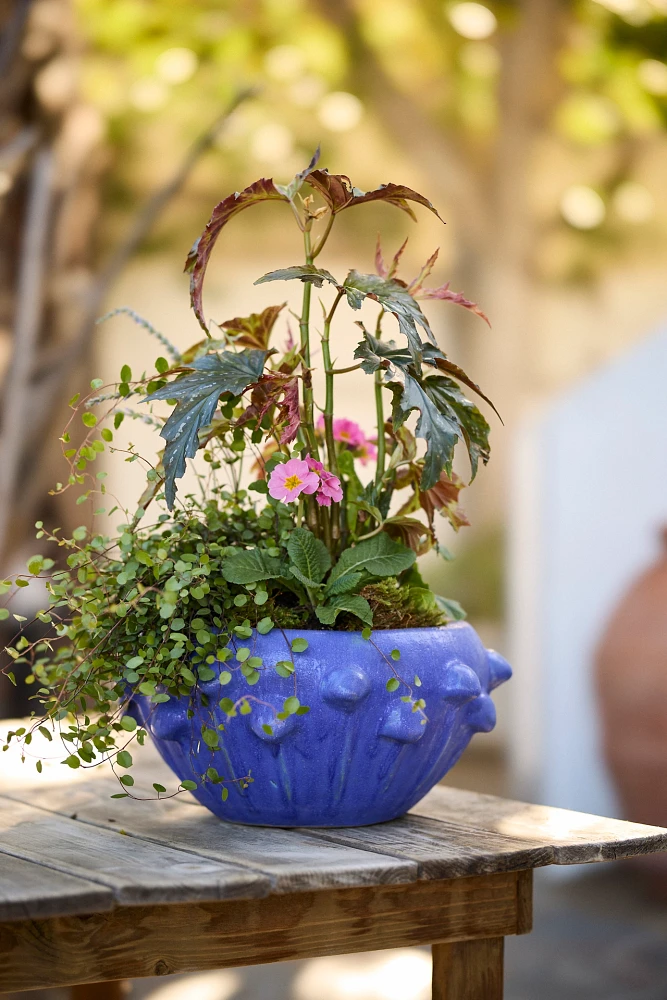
<point>361,755</point>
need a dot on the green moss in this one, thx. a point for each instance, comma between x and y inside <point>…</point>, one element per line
<point>397,605</point>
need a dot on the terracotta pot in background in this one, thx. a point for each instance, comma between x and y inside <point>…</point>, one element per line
<point>631,674</point>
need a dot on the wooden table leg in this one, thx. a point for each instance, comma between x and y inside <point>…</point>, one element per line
<point>468,970</point>
<point>113,990</point>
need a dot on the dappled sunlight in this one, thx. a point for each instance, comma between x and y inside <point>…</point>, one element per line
<point>203,986</point>
<point>395,975</point>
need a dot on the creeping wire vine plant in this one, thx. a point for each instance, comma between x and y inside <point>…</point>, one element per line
<point>281,531</point>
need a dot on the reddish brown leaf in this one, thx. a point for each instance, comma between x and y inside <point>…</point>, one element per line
<point>415,285</point>
<point>411,532</point>
<point>197,260</point>
<point>339,193</point>
<point>444,498</point>
<point>380,266</point>
<point>254,330</point>
<point>456,297</point>
<point>445,365</point>
<point>289,412</point>
<point>265,394</point>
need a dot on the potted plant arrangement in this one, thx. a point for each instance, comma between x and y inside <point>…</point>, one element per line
<point>272,632</point>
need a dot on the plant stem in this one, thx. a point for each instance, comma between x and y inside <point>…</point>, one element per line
<point>328,414</point>
<point>329,383</point>
<point>324,237</point>
<point>379,410</point>
<point>304,327</point>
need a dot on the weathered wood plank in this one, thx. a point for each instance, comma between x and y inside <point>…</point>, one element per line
<point>468,970</point>
<point>149,941</point>
<point>574,838</point>
<point>443,849</point>
<point>28,890</point>
<point>294,861</point>
<point>135,871</point>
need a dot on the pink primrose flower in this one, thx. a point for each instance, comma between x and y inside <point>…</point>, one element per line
<point>330,489</point>
<point>314,465</point>
<point>291,478</point>
<point>366,452</point>
<point>348,432</point>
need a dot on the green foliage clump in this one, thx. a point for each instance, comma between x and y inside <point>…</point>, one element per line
<point>157,609</point>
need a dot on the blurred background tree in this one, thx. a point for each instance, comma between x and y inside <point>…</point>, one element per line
<point>538,127</point>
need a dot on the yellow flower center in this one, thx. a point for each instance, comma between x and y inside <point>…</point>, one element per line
<point>292,482</point>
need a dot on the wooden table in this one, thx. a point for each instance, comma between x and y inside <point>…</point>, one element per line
<point>93,890</point>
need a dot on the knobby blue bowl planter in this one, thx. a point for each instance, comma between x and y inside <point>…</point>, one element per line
<point>361,755</point>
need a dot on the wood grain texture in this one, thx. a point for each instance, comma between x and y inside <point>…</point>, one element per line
<point>468,970</point>
<point>293,861</point>
<point>443,849</point>
<point>572,837</point>
<point>159,940</point>
<point>135,871</point>
<point>28,890</point>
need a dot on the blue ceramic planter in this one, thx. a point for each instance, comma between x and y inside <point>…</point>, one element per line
<point>360,755</point>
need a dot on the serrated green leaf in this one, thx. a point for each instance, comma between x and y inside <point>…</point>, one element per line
<point>308,555</point>
<point>344,583</point>
<point>352,603</point>
<point>250,566</point>
<point>310,584</point>
<point>394,298</point>
<point>378,556</point>
<point>452,609</point>
<point>197,396</point>
<point>304,272</point>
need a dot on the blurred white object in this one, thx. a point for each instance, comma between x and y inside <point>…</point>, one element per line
<point>472,20</point>
<point>202,986</point>
<point>590,495</point>
<point>340,111</point>
<point>582,207</point>
<point>176,65</point>
<point>404,974</point>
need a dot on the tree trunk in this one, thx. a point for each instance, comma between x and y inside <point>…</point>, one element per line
<point>51,159</point>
